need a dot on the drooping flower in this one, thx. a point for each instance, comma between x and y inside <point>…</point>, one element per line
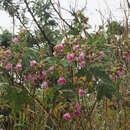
<point>78,107</point>
<point>81,92</point>
<point>8,52</point>
<point>82,64</point>
<point>67,116</point>
<point>60,47</point>
<point>101,54</point>
<point>15,40</point>
<point>32,62</point>
<point>19,66</point>
<point>81,56</point>
<point>70,57</point>
<point>76,113</point>
<point>61,81</point>
<point>9,66</point>
<point>44,84</point>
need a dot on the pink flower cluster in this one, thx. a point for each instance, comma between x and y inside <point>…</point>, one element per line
<point>32,62</point>
<point>81,92</point>
<point>15,40</point>
<point>44,84</point>
<point>127,57</point>
<point>70,57</point>
<point>101,54</point>
<point>60,47</point>
<point>61,81</point>
<point>19,66</point>
<point>8,52</point>
<point>9,66</point>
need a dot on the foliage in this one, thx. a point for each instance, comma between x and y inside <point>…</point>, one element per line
<point>83,85</point>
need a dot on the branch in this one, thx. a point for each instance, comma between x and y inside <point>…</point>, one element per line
<point>61,16</point>
<point>42,31</point>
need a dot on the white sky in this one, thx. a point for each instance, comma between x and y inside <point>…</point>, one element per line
<point>92,5</point>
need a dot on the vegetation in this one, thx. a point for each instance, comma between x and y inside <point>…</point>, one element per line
<point>63,79</point>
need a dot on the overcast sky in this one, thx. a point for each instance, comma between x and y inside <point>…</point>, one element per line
<point>91,11</point>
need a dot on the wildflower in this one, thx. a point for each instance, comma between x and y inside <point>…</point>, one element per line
<point>82,64</point>
<point>101,54</point>
<point>78,107</point>
<point>44,84</point>
<point>70,57</point>
<point>15,40</point>
<point>61,81</point>
<point>43,73</point>
<point>8,52</point>
<point>60,47</point>
<point>127,56</point>
<point>67,116</point>
<point>51,69</point>
<point>81,56</point>
<point>76,113</point>
<point>32,62</point>
<point>81,92</point>
<point>9,66</point>
<point>76,47</point>
<point>19,66</point>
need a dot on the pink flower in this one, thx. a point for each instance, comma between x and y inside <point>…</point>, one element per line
<point>54,53</point>
<point>76,47</point>
<point>127,56</point>
<point>30,77</point>
<point>35,77</point>
<point>81,92</point>
<point>70,57</point>
<point>32,62</point>
<point>15,40</point>
<point>81,56</point>
<point>101,54</point>
<point>61,81</point>
<point>76,113</point>
<point>60,47</point>
<point>67,116</point>
<point>43,74</point>
<point>51,69</point>
<point>8,52</point>
<point>44,84</point>
<point>119,73</point>
<point>9,66</point>
<point>82,64</point>
<point>19,66</point>
<point>78,107</point>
